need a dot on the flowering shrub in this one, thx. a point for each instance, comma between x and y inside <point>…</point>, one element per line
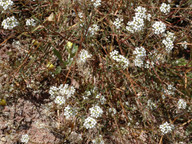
<point>95,71</point>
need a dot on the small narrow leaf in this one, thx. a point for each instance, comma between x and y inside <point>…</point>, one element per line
<point>57,53</point>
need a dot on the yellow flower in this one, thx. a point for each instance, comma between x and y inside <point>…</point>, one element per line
<point>3,102</point>
<point>50,66</point>
<point>69,45</point>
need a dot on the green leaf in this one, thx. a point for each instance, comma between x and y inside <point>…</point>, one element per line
<point>57,53</point>
<point>58,70</point>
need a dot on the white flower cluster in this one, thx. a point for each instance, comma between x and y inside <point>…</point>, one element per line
<point>118,23</point>
<point>140,51</point>
<point>60,100</point>
<point>101,98</point>
<point>149,64</point>
<point>166,128</point>
<point>169,91</point>
<point>83,56</point>
<point>66,90</point>
<point>181,104</point>
<point>6,4</point>
<point>140,11</point>
<point>10,23</point>
<point>98,140</point>
<point>151,104</point>
<point>69,112</point>
<point>96,111</point>
<point>53,90</point>
<point>165,8</point>
<point>168,41</point>
<point>25,138</point>
<point>136,25</point>
<point>93,29</point>
<point>30,22</point>
<point>184,45</point>
<point>124,62</point>
<point>113,111</point>
<point>138,20</point>
<point>61,93</point>
<point>140,55</point>
<point>159,27</point>
<point>89,123</point>
<point>87,94</point>
<point>96,3</point>
<point>170,36</point>
<point>171,88</point>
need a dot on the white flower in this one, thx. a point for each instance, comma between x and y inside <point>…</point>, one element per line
<point>30,22</point>
<point>140,12</point>
<point>170,87</point>
<point>165,8</point>
<point>170,90</point>
<point>138,62</point>
<point>181,104</point>
<point>25,138</point>
<point>149,64</point>
<point>89,123</point>
<point>113,111</point>
<point>10,23</point>
<point>151,104</point>
<point>87,94</point>
<point>59,100</point>
<point>101,98</point>
<point>93,29</point>
<point>124,62</point>
<point>96,111</point>
<point>6,4</point>
<point>118,23</point>
<point>168,41</point>
<point>170,36</point>
<point>98,140</point>
<point>140,51</point>
<point>168,45</point>
<point>148,17</point>
<point>138,20</point>
<point>66,90</point>
<point>96,3</point>
<point>80,14</point>
<point>159,27</point>
<point>52,91</point>
<point>184,45</point>
<point>69,112</point>
<point>136,25</point>
<point>83,56</point>
<point>166,128</point>
<point>140,54</point>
